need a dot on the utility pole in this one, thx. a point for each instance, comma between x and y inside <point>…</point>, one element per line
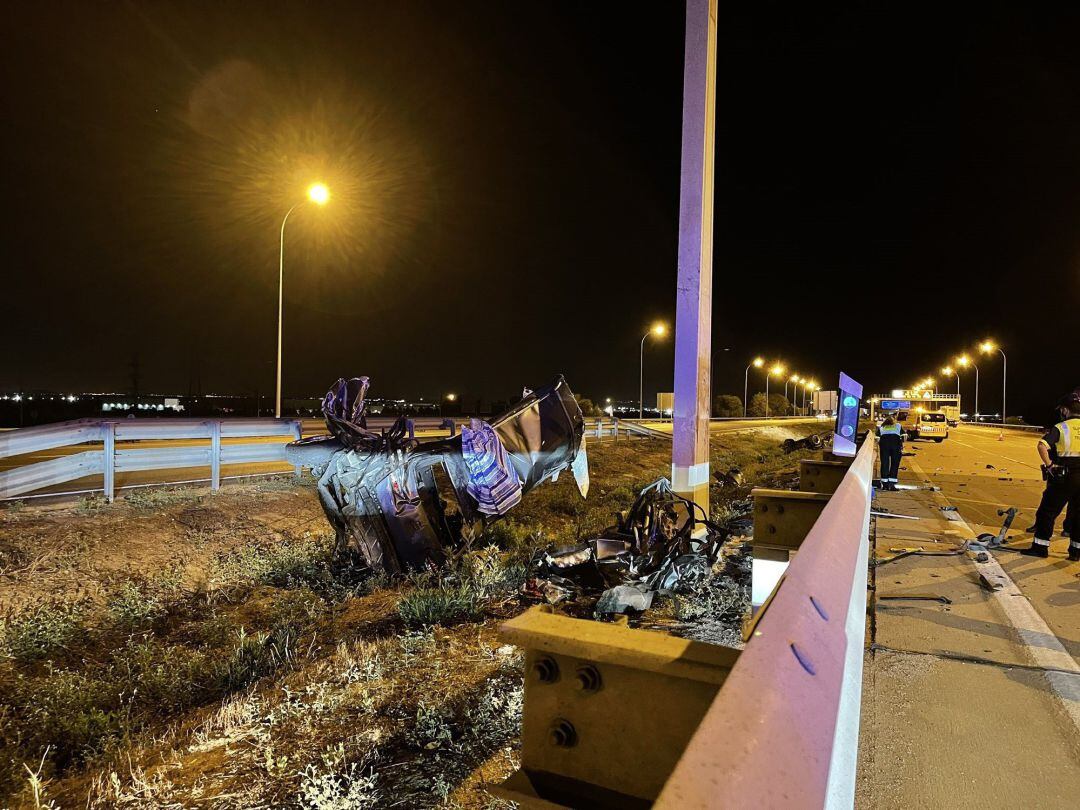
<point>693,305</point>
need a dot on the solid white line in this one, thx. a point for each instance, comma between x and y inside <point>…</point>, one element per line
<point>1040,643</point>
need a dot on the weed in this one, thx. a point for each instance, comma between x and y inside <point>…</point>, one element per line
<point>444,604</point>
<point>157,497</point>
<point>133,606</point>
<point>333,784</point>
<point>13,507</point>
<point>40,630</point>
<point>94,502</point>
<point>289,563</point>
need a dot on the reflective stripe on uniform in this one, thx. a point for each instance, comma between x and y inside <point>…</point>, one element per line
<point>1068,443</point>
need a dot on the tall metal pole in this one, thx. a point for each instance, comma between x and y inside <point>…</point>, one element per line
<point>1004,375</point>
<point>693,306</point>
<point>280,306</point>
<point>746,390</point>
<point>641,381</point>
<point>767,375</point>
<point>976,392</point>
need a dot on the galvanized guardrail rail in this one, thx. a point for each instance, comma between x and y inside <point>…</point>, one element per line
<point>621,718</point>
<point>112,447</point>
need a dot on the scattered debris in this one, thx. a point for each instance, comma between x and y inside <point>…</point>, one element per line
<point>731,478</point>
<point>398,504</point>
<point>991,467</point>
<point>662,544</point>
<point>918,597</point>
<point>986,541</point>
<point>812,442</point>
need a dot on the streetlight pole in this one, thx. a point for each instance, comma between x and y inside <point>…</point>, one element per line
<point>319,194</point>
<point>280,308</point>
<point>767,375</point>
<point>987,347</point>
<point>658,330</point>
<point>757,362</point>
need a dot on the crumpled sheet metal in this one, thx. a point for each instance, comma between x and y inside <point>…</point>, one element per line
<point>399,504</point>
<point>651,550</point>
<point>493,481</point>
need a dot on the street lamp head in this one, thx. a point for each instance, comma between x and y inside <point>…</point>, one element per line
<point>758,362</point>
<point>987,346</point>
<point>777,370</point>
<point>451,397</point>
<point>947,371</point>
<point>659,329</point>
<point>318,193</point>
<point>963,360</point>
<point>795,378</point>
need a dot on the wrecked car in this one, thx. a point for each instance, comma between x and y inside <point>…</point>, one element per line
<point>399,504</point>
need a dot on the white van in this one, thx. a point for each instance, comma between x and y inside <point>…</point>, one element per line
<point>926,425</point>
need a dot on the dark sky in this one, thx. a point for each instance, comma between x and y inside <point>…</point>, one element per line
<point>893,184</point>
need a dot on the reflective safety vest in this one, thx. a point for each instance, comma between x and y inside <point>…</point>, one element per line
<point>1068,443</point>
<point>886,430</point>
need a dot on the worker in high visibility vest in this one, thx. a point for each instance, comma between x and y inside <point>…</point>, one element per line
<point>890,446</point>
<point>1059,449</point>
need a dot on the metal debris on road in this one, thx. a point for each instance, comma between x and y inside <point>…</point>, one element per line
<point>812,442</point>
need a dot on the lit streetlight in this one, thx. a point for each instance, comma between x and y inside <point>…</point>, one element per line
<point>319,194</point>
<point>811,385</point>
<point>777,370</point>
<point>757,362</point>
<point>989,347</point>
<point>451,397</point>
<point>659,330</point>
<point>964,361</point>
<point>794,380</point>
<point>949,371</point>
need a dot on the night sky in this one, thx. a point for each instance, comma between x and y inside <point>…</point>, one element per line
<point>893,184</point>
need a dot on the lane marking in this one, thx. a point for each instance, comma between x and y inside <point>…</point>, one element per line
<point>1040,643</point>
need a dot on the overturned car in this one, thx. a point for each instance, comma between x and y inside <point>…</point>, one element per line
<point>399,504</point>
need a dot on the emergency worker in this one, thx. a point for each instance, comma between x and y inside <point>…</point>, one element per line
<point>890,446</point>
<point>1059,450</point>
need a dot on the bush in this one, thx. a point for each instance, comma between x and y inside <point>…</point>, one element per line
<point>757,405</point>
<point>727,405</point>
<point>444,604</point>
<point>40,630</point>
<point>588,407</point>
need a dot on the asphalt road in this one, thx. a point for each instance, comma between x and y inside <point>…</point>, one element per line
<point>971,695</point>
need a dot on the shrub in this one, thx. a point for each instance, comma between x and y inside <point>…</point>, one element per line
<point>133,606</point>
<point>444,604</point>
<point>727,405</point>
<point>757,405</point>
<point>38,631</point>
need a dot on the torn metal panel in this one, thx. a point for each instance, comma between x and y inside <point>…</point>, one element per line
<point>400,504</point>
<point>662,543</point>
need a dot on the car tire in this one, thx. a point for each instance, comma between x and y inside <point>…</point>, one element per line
<point>939,441</point>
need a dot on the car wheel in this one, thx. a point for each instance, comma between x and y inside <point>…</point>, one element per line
<point>939,441</point>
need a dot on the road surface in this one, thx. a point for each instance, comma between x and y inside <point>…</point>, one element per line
<point>975,701</point>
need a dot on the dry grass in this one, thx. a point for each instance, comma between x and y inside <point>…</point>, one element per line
<point>208,651</point>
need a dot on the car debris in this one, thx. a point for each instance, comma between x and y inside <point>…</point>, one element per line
<point>399,504</point>
<point>663,543</point>
<point>732,478</point>
<point>812,442</point>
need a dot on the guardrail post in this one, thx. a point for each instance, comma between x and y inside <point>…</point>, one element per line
<point>215,455</point>
<point>298,434</point>
<point>108,451</point>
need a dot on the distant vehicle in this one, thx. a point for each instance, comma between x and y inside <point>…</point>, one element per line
<point>921,424</point>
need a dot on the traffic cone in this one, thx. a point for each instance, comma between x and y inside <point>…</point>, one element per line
<point>1001,435</point>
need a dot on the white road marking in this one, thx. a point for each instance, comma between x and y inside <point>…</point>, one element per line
<point>1040,643</point>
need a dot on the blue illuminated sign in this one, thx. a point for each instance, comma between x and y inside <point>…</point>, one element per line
<point>895,405</point>
<point>847,416</point>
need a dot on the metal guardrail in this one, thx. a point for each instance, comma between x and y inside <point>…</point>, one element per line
<point>783,730</point>
<point>1003,426</point>
<point>624,717</point>
<point>113,448</point>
